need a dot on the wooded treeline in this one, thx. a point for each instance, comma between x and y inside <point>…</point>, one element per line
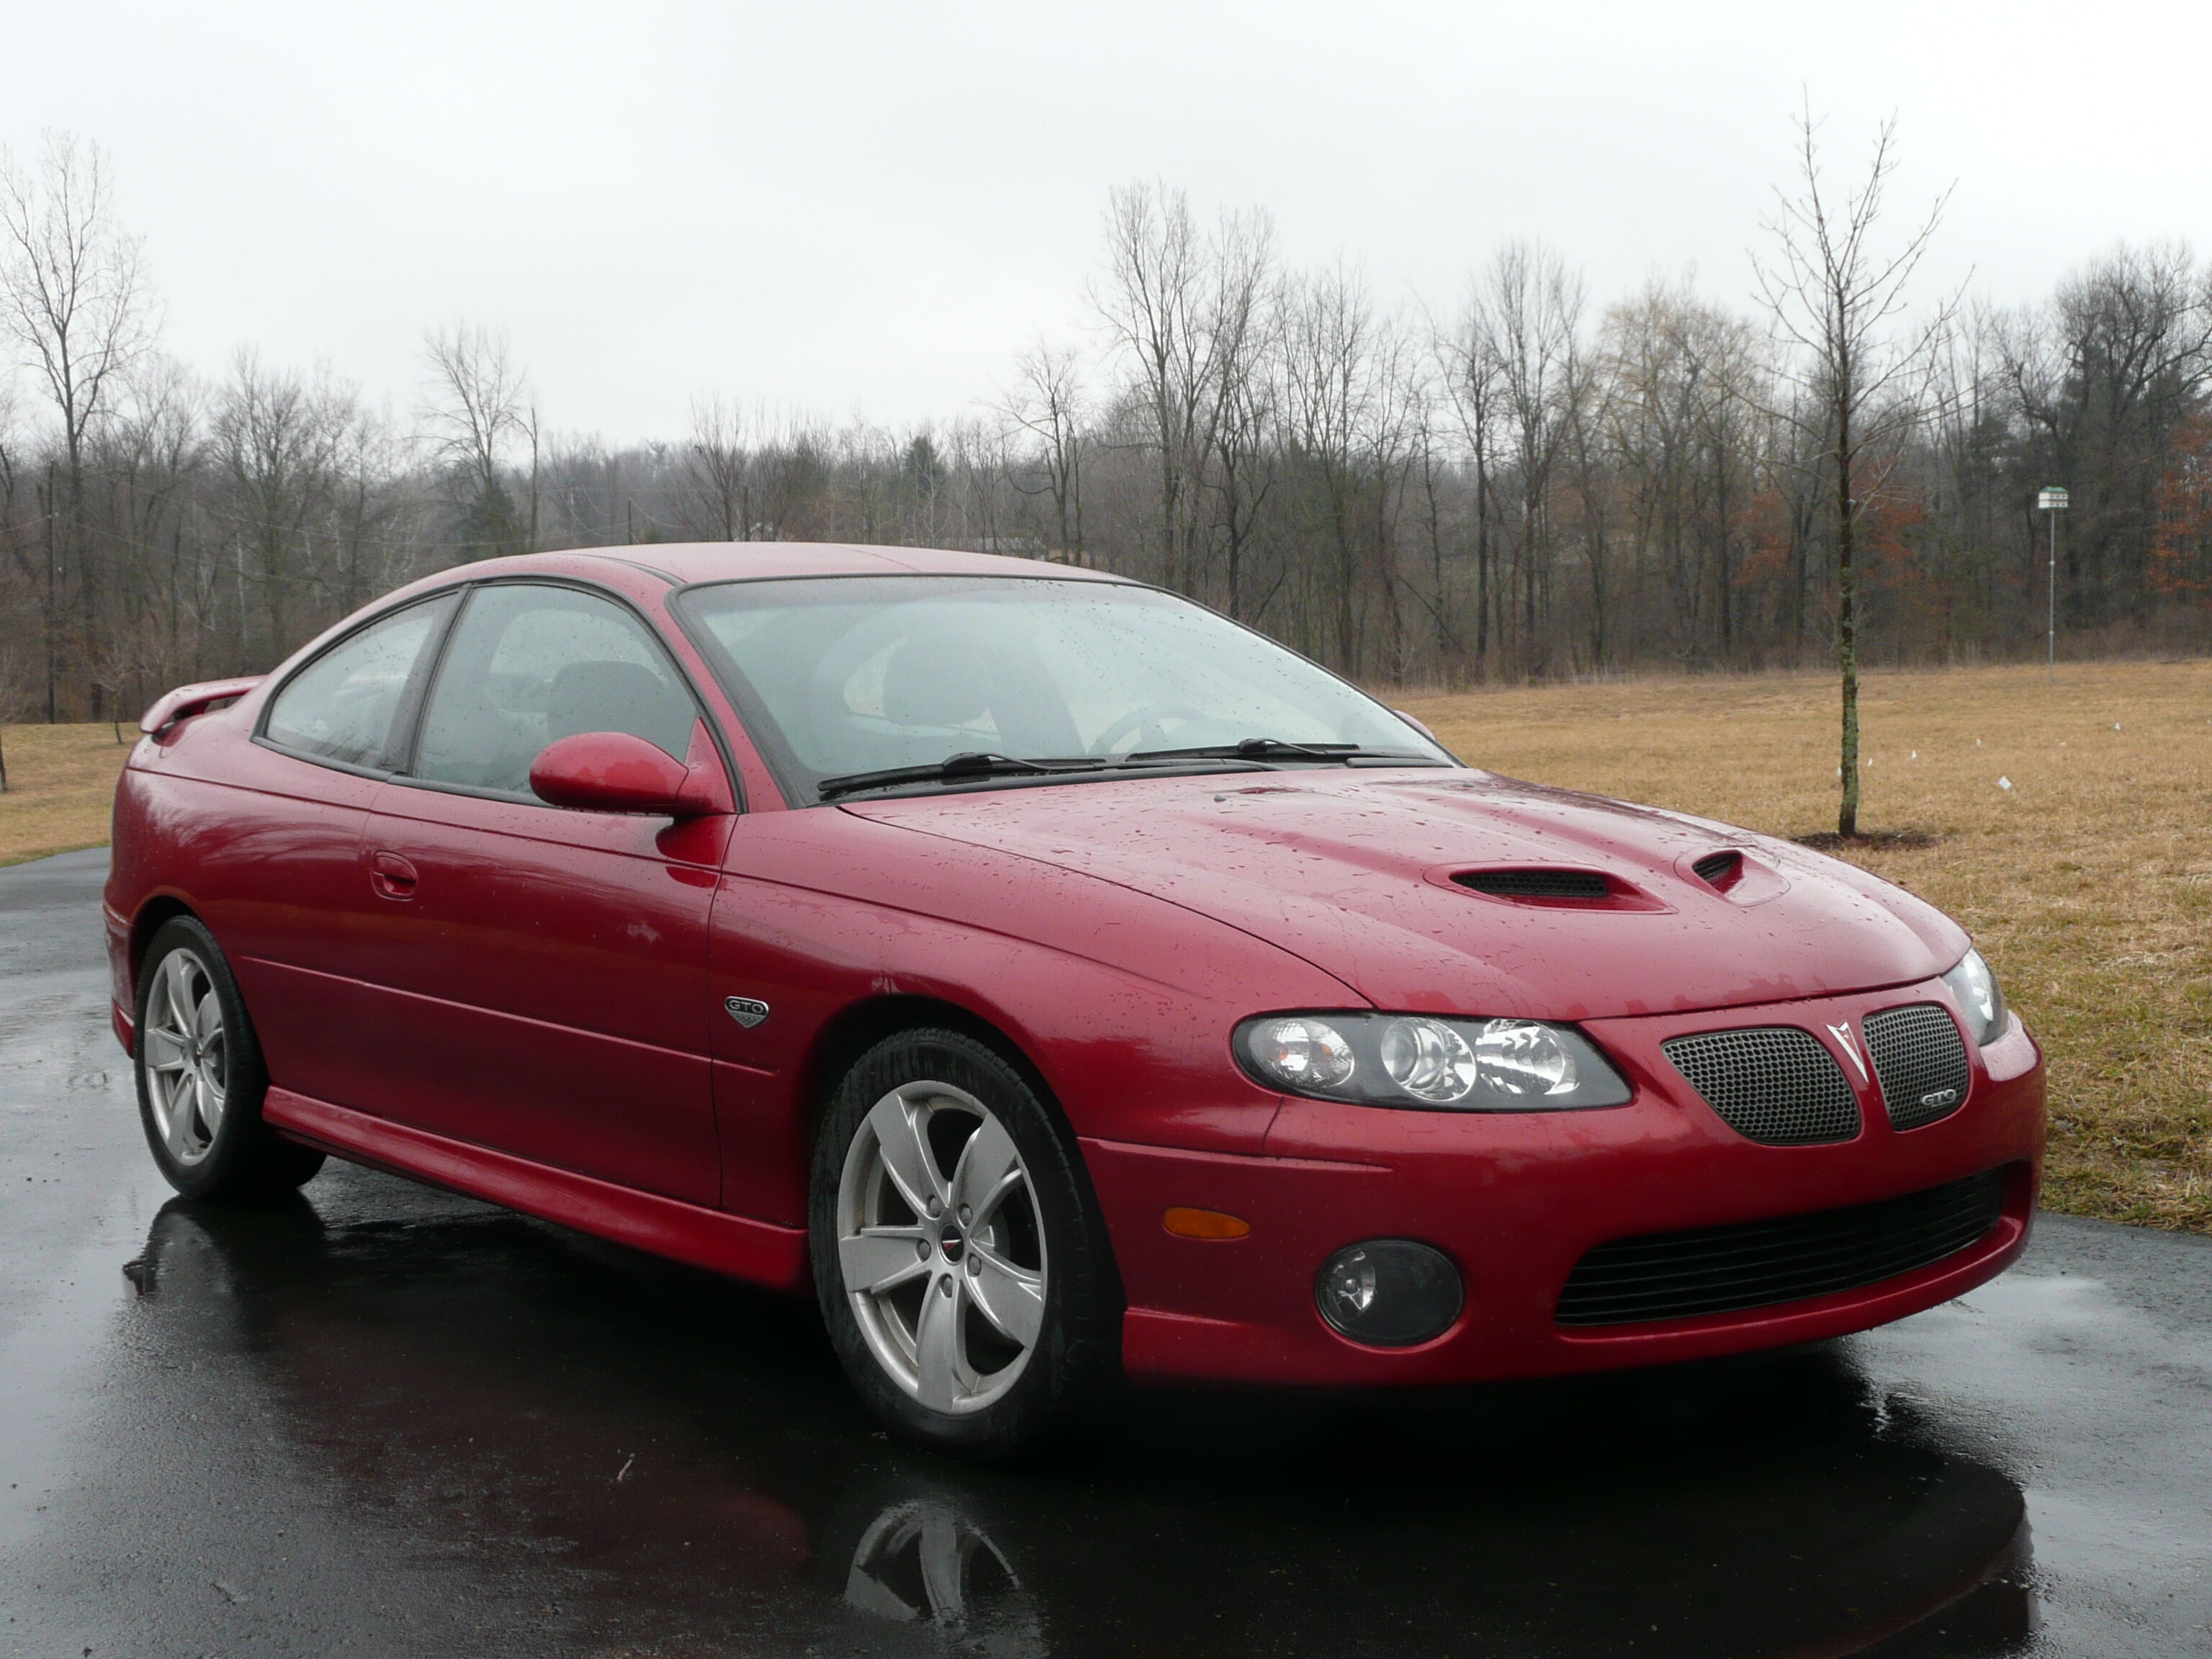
<point>1529,483</point>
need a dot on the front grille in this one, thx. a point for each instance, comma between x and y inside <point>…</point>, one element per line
<point>1921,1063</point>
<point>1757,1264</point>
<point>1774,1084</point>
<point>1537,884</point>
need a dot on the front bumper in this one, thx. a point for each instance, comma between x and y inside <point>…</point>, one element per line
<point>1516,1200</point>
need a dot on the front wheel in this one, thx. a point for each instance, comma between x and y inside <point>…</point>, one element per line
<point>200,1076</point>
<point>959,1257</point>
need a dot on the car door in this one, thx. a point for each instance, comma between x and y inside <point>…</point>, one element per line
<point>278,873</point>
<point>540,972</point>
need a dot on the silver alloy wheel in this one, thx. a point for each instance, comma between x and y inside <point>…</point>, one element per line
<point>187,1060</point>
<point>944,1270</point>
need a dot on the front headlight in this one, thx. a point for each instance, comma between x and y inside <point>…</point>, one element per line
<point>1979,999</point>
<point>1416,1060</point>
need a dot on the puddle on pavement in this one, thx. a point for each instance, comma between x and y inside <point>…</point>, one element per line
<point>647,1460</point>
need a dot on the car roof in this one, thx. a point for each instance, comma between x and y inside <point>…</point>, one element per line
<point>708,562</point>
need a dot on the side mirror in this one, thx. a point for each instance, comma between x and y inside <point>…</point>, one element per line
<point>1415,724</point>
<point>615,772</point>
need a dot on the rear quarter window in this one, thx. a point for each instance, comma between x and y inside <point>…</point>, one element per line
<point>345,705</point>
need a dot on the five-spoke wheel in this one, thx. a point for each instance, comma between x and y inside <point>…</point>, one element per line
<point>959,1259</point>
<point>187,1061</point>
<point>200,1076</point>
<point>940,1246</point>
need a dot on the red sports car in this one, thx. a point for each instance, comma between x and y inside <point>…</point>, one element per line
<point>1059,978</point>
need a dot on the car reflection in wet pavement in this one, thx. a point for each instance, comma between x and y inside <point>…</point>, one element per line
<point>677,1455</point>
<point>382,1419</point>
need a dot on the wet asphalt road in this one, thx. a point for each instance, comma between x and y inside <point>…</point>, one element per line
<point>384,1420</point>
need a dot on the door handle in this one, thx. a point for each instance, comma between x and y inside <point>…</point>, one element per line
<point>392,876</point>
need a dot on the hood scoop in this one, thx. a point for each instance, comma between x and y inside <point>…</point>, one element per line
<point>1720,870</point>
<point>1586,885</point>
<point>1556,887</point>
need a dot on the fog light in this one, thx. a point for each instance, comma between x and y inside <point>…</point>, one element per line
<point>1389,1293</point>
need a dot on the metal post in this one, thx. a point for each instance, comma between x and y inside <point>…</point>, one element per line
<point>2051,627</point>
<point>2052,499</point>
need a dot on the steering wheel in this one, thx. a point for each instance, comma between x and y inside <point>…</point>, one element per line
<point>1152,716</point>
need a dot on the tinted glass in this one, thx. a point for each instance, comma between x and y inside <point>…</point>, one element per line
<point>341,706</point>
<point>529,665</point>
<point>857,674</point>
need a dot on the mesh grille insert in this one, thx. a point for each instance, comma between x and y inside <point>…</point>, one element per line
<point>1921,1061</point>
<point>1537,884</point>
<point>1771,1083</point>
<point>1757,1264</point>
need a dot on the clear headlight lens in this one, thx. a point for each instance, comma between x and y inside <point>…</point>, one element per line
<point>1418,1059</point>
<point>1979,999</point>
<point>1305,1053</point>
<point>1428,1060</point>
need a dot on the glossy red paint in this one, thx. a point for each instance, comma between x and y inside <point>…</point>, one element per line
<point>714,1239</point>
<point>614,772</point>
<point>524,1001</point>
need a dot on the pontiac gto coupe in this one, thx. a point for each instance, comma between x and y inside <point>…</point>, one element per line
<point>1057,978</point>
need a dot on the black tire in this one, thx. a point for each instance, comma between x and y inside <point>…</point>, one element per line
<point>242,1157</point>
<point>1074,1356</point>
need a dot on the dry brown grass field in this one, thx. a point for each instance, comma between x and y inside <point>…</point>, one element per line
<point>2089,883</point>
<point>61,780</point>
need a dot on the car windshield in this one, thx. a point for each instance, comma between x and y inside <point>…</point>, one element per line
<point>845,676</point>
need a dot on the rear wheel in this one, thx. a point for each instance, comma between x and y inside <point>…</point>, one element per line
<point>200,1076</point>
<point>959,1257</point>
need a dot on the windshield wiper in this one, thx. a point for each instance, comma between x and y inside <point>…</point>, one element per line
<point>953,769</point>
<point>972,767</point>
<point>1267,749</point>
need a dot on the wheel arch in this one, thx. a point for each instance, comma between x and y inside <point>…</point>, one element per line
<point>161,909</point>
<point>858,1027</point>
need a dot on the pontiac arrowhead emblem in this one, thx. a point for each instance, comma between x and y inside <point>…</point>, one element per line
<point>1844,1039</point>
<point>748,1011</point>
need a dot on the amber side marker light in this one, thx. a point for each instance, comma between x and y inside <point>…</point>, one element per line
<point>1203,1224</point>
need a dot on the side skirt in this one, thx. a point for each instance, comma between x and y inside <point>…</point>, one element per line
<point>757,1251</point>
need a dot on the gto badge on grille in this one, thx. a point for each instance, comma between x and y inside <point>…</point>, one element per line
<point>1935,1099</point>
<point>748,1011</point>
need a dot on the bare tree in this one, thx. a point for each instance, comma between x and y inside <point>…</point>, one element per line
<point>718,468</point>
<point>1470,375</point>
<point>1237,401</point>
<point>479,409</point>
<point>1047,401</point>
<point>1526,319</point>
<point>1151,305</point>
<point>1842,304</point>
<point>281,437</point>
<point>74,302</point>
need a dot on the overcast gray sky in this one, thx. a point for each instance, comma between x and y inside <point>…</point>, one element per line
<point>851,207</point>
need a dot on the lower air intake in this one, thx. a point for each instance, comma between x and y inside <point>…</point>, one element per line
<point>1758,1264</point>
<point>1921,1062</point>
<point>1774,1084</point>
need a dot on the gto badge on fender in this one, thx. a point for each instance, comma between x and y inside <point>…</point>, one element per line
<point>748,1011</point>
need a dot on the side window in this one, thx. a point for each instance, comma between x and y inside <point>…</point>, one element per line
<point>529,665</point>
<point>343,706</point>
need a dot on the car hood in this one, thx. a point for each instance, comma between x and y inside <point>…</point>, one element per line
<point>1354,871</point>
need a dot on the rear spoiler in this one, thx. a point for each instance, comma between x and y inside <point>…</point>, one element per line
<point>187,700</point>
